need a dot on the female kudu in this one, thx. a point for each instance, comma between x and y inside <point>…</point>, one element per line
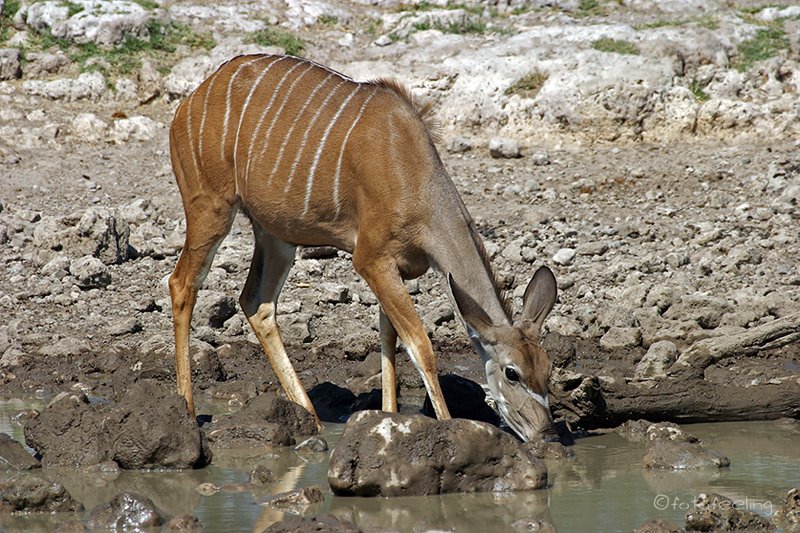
<point>315,158</point>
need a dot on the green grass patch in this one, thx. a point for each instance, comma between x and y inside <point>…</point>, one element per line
<point>10,8</point>
<point>272,36</point>
<point>698,91</point>
<point>590,8</point>
<point>767,42</point>
<point>459,28</point>
<point>125,57</point>
<point>147,4</point>
<point>616,46</point>
<point>72,8</point>
<point>528,86</point>
<point>328,20</point>
<point>709,22</point>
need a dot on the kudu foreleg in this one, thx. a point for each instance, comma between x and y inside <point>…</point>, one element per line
<point>388,375</point>
<point>384,279</point>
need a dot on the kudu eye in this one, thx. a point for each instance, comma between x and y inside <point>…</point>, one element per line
<point>512,374</point>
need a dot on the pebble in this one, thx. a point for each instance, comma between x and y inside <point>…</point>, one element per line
<point>564,256</point>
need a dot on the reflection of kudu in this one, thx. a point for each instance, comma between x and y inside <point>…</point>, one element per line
<point>315,158</point>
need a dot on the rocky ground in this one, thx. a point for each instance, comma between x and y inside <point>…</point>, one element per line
<point>646,151</point>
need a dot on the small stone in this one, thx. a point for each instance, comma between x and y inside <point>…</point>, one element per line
<point>592,248</point>
<point>213,308</point>
<point>9,64</point>
<point>297,501</point>
<point>564,256</point>
<point>90,273</point>
<point>501,148</point>
<point>334,293</point>
<point>126,512</point>
<point>313,444</point>
<point>459,145</point>
<point>186,522</point>
<point>540,159</point>
<point>383,40</point>
<point>13,456</point>
<point>261,475</point>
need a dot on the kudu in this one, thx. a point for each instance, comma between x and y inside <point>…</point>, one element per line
<point>315,158</point>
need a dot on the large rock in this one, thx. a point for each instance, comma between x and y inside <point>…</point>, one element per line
<point>98,232</point>
<point>26,493</point>
<point>391,454</point>
<point>149,428</point>
<point>788,516</point>
<point>669,447</point>
<point>265,420</point>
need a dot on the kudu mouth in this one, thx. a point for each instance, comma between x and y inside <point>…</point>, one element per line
<point>529,418</point>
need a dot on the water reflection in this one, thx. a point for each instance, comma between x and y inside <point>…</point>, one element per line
<point>603,488</point>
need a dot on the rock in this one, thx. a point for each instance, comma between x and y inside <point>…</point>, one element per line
<point>334,293</point>
<point>98,232</point>
<point>90,273</point>
<point>214,308</point>
<point>126,512</point>
<point>580,399</point>
<point>788,516</point>
<point>706,310</point>
<point>464,398</point>
<point>617,338</point>
<point>88,127</point>
<point>102,22</point>
<point>332,402</point>
<point>313,444</point>
<point>9,64</point>
<point>187,74</point>
<point>391,454</point>
<point>564,256</point>
<point>149,427</point>
<point>500,148</point>
<point>186,522</point>
<point>659,357</point>
<point>458,145</point>
<point>327,523</point>
<point>87,86</point>
<point>261,475</point>
<point>296,327</point>
<point>713,512</point>
<point>265,420</point>
<point>133,129</point>
<point>668,446</point>
<point>297,502</point>
<point>25,493</point>
<point>13,456</point>
<point>41,64</point>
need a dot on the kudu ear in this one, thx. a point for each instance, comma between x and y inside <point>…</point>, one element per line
<point>478,322</point>
<point>539,299</point>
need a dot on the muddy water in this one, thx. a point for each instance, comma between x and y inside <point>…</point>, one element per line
<point>602,489</point>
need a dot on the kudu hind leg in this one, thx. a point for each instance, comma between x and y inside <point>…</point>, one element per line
<point>384,279</point>
<point>272,260</point>
<point>202,240</point>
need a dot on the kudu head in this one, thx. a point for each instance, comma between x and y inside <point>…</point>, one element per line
<point>517,368</point>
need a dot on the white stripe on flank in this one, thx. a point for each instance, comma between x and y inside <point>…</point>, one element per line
<point>294,124</point>
<point>264,113</point>
<point>205,113</point>
<point>243,112</point>
<point>189,131</point>
<point>311,124</point>
<point>321,147</point>
<point>228,104</point>
<point>337,176</point>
